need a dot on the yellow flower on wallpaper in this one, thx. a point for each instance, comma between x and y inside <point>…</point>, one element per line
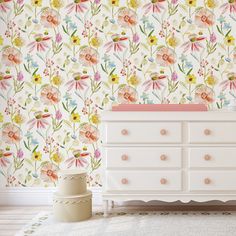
<point>212,3</point>
<point>229,40</point>
<point>75,117</point>
<point>37,156</point>
<point>1,40</point>
<point>57,158</point>
<point>57,4</point>
<point>114,2</point>
<point>134,80</point>
<point>18,119</point>
<point>134,4</point>
<point>37,79</point>
<point>191,79</point>
<point>36,3</point>
<point>75,40</point>
<point>152,40</point>
<point>114,79</point>
<point>191,3</point>
<point>211,80</point>
<point>1,117</point>
<point>95,119</point>
<point>57,80</point>
<point>96,42</point>
<point>173,41</point>
<point>18,42</point>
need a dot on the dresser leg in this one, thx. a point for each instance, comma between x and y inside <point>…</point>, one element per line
<point>105,207</point>
<point>112,204</point>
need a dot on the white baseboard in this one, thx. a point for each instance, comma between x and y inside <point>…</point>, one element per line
<point>32,196</point>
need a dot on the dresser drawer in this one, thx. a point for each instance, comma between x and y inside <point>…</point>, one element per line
<point>212,157</point>
<point>143,132</point>
<point>133,157</point>
<point>212,132</point>
<point>212,180</point>
<point>143,180</point>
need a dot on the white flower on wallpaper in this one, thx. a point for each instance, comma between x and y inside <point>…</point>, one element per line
<point>64,62</point>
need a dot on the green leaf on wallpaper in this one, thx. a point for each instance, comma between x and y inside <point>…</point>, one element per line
<point>189,71</point>
<point>150,33</point>
<point>67,123</point>
<point>35,148</point>
<point>180,68</point>
<point>68,46</point>
<point>228,33</point>
<point>2,173</point>
<point>64,106</point>
<point>29,161</point>
<point>112,71</point>
<point>121,86</point>
<point>29,7</point>
<point>140,27</point>
<point>35,71</point>
<point>73,33</point>
<point>145,46</point>
<point>219,30</point>
<point>106,84</point>
<point>26,146</point>
<point>184,7</point>
<point>73,110</point>
<point>183,84</point>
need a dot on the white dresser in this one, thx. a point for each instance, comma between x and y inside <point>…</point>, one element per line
<point>169,156</point>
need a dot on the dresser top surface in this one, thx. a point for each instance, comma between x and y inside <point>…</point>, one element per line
<point>168,116</point>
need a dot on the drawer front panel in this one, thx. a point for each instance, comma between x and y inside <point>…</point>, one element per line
<point>133,157</point>
<point>143,180</point>
<point>142,132</point>
<point>212,157</point>
<point>212,132</point>
<point>212,180</point>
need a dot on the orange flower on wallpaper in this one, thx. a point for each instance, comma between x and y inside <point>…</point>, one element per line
<point>230,82</point>
<point>4,158</point>
<point>49,172</point>
<point>204,18</point>
<point>165,57</point>
<point>127,95</point>
<point>11,133</point>
<point>88,56</point>
<point>78,81</point>
<point>50,95</point>
<point>155,6</point>
<point>155,82</point>
<point>77,6</point>
<point>11,56</point>
<point>50,18</point>
<point>4,81</point>
<point>88,133</point>
<point>39,43</point>
<point>204,95</point>
<point>127,17</point>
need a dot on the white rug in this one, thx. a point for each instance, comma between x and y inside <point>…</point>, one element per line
<point>137,224</point>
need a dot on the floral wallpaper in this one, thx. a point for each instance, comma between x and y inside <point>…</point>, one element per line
<point>64,62</point>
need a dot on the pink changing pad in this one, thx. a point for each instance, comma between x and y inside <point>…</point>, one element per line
<point>159,107</point>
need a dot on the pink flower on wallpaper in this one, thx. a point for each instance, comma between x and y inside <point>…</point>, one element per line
<point>127,18</point>
<point>194,43</point>
<point>4,81</point>
<point>155,82</point>
<point>204,18</point>
<point>49,172</point>
<point>136,38</point>
<point>50,95</point>
<point>213,37</point>
<point>97,76</point>
<point>154,6</point>
<point>204,95</point>
<point>4,158</point>
<point>78,81</point>
<point>78,159</point>
<point>39,43</point>
<point>11,56</point>
<point>165,57</point>
<point>88,56</point>
<point>116,44</point>
<point>229,6</point>
<point>39,121</point>
<point>97,153</point>
<point>58,115</point>
<point>50,18</point>
<point>11,133</point>
<point>77,6</point>
<point>20,76</point>
<point>19,153</point>
<point>4,6</point>
<point>58,38</point>
<point>88,133</point>
<point>230,82</point>
<point>127,95</point>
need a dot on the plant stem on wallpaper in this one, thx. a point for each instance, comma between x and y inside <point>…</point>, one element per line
<point>64,62</point>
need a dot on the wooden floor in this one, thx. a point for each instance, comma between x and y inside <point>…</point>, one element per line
<point>13,219</point>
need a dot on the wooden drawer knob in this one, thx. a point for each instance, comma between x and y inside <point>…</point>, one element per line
<point>124,157</point>
<point>163,157</point>
<point>124,132</point>
<point>207,132</point>
<point>207,157</point>
<point>163,131</point>
<point>207,181</point>
<point>163,181</point>
<point>124,181</point>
